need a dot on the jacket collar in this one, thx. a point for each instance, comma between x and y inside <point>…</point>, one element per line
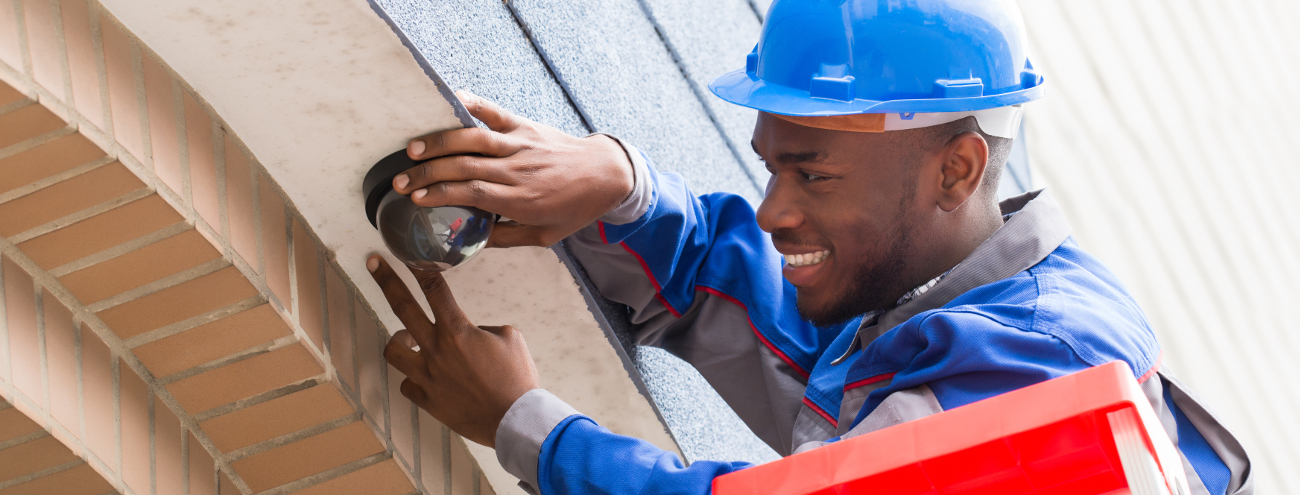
<point>1035,228</point>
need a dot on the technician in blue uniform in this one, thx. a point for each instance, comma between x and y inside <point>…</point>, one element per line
<point>880,280</point>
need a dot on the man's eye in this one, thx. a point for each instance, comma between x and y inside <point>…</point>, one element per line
<point>812,178</point>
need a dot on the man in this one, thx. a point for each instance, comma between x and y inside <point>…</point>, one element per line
<point>880,281</point>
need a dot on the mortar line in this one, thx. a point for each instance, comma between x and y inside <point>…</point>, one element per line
<point>78,216</point>
<point>185,462</point>
<point>119,250</point>
<point>253,400</point>
<point>16,105</point>
<point>291,437</point>
<point>42,356</point>
<point>24,47</point>
<point>42,473</point>
<point>35,141</point>
<point>153,441</point>
<point>142,108</point>
<point>61,45</point>
<point>101,67</point>
<point>35,186</point>
<point>219,165</point>
<point>192,322</point>
<point>249,353</point>
<point>151,288</point>
<point>30,437</point>
<point>328,475</point>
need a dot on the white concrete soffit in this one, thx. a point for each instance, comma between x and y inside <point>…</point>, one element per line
<point>319,90</point>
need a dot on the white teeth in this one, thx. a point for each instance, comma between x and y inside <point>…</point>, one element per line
<point>806,259</point>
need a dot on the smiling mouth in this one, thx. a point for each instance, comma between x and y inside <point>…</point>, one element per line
<point>798,260</point>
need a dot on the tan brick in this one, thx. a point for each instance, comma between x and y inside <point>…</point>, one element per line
<point>227,487</point>
<point>276,417</point>
<point>164,133</point>
<point>82,68</point>
<point>308,456</point>
<point>306,259</point>
<point>245,378</point>
<point>370,365</point>
<point>26,123</point>
<point>97,384</point>
<point>211,341</point>
<point>100,232</point>
<point>43,45</point>
<point>14,424</point>
<point>148,264</point>
<point>10,49</point>
<point>9,95</point>
<point>275,243</point>
<point>36,455</point>
<point>24,342</point>
<point>122,100</point>
<point>51,158</point>
<point>188,299</point>
<point>80,480</point>
<point>400,419</point>
<point>462,466</point>
<point>202,162</point>
<point>203,470</point>
<point>384,478</point>
<point>168,468</point>
<point>340,327</point>
<point>135,429</point>
<point>432,472</point>
<point>239,203</point>
<point>67,197</point>
<point>61,359</point>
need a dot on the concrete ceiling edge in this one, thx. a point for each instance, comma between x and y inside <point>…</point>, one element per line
<point>319,90</point>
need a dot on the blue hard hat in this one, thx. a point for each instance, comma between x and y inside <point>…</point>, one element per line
<point>841,57</point>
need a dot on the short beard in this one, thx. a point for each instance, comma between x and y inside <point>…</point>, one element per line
<point>873,287</point>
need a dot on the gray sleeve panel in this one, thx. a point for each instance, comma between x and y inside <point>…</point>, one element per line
<point>1154,389</point>
<point>900,407</point>
<point>1223,442</point>
<point>714,336</point>
<point>523,430</point>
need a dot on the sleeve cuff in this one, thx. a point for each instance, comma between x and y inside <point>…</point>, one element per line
<point>523,430</point>
<point>638,201</point>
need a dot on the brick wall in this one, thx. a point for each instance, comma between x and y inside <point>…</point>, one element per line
<point>170,324</point>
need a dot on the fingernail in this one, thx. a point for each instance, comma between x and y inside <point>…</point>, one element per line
<point>419,193</point>
<point>401,181</point>
<point>372,264</point>
<point>415,148</point>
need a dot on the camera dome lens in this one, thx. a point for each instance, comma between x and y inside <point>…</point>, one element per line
<point>434,239</point>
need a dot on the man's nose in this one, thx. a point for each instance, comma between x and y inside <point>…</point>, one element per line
<point>778,209</point>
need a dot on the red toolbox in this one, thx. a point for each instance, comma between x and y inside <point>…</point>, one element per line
<point>1090,432</point>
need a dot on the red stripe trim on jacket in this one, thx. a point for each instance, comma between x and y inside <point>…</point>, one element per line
<point>820,412</point>
<point>761,338</point>
<point>1154,368</point>
<point>869,381</point>
<point>644,266</point>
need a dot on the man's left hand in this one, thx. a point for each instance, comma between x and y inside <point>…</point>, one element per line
<point>464,375</point>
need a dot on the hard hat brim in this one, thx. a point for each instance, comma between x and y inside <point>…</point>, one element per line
<point>740,88</point>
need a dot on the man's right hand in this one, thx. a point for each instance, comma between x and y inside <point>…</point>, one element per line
<point>549,183</point>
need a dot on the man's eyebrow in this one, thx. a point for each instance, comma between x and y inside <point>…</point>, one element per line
<point>802,157</point>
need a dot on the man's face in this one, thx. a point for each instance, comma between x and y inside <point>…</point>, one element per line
<point>845,205</point>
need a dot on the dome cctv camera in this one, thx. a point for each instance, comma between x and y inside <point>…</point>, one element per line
<point>433,239</point>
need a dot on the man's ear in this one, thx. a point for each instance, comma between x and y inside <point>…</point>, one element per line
<point>964,160</point>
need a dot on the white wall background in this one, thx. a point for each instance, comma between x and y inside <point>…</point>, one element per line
<point>1166,136</point>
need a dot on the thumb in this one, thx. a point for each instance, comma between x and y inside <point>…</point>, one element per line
<point>496,118</point>
<point>506,235</point>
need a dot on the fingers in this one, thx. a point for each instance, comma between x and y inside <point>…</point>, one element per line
<point>447,314</point>
<point>490,196</point>
<point>459,168</point>
<point>405,359</point>
<point>506,235</point>
<point>414,392</point>
<point>400,299</point>
<point>492,115</point>
<point>462,141</point>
